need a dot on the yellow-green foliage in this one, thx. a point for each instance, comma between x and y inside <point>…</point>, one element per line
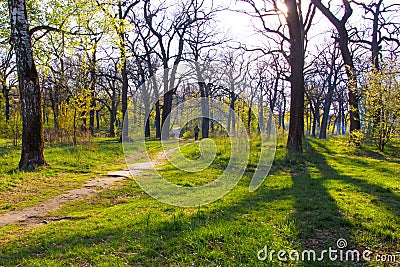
<point>381,100</point>
<point>187,134</point>
<point>66,115</point>
<point>81,103</point>
<point>73,112</point>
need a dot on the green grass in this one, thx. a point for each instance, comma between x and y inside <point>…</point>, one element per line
<point>69,167</point>
<point>334,191</point>
<point>192,152</point>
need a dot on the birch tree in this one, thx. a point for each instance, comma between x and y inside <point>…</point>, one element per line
<point>32,125</point>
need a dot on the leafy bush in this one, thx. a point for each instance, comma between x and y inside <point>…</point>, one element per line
<point>188,134</point>
<point>381,101</point>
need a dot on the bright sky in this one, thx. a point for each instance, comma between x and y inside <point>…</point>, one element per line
<point>242,29</point>
<point>238,24</point>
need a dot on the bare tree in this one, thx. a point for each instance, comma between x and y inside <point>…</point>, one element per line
<point>234,72</point>
<point>168,34</point>
<point>296,32</point>
<point>384,28</point>
<point>5,70</point>
<point>343,41</point>
<point>297,27</point>
<point>95,40</point>
<point>268,74</point>
<point>332,78</point>
<point>109,83</point>
<point>203,39</point>
<point>123,8</point>
<point>146,61</point>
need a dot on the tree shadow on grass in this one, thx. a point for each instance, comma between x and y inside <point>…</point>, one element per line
<point>391,152</point>
<point>210,236</point>
<point>377,197</point>
<point>384,194</point>
<point>317,216</point>
<point>218,230</point>
<point>4,151</point>
<point>9,165</point>
<point>155,240</point>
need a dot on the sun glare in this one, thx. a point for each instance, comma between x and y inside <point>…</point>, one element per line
<point>281,6</point>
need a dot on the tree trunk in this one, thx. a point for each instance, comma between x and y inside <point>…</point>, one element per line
<point>249,117</point>
<point>32,125</point>
<point>135,110</point>
<point>342,120</point>
<point>280,115</point>
<point>269,124</point>
<point>296,127</point>
<point>157,120</point>
<point>352,81</point>
<point>97,119</point>
<point>113,113</point>
<point>45,115</point>
<point>332,84</point>
<point>146,112</point>
<point>316,119</point>
<point>167,104</point>
<point>343,41</point>
<point>260,113</point>
<point>92,93</point>
<point>166,119</point>
<point>284,110</point>
<point>74,140</point>
<point>314,122</point>
<point>204,109</point>
<point>231,118</point>
<point>334,125</point>
<point>169,91</point>
<point>147,127</point>
<point>125,119</point>
<point>55,116</point>
<point>375,49</point>
<point>7,102</point>
<point>54,106</point>
<point>325,116</point>
<point>124,75</point>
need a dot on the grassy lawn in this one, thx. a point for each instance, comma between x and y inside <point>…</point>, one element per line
<point>69,167</point>
<point>334,191</point>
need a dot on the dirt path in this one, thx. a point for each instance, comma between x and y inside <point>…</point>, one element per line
<point>34,215</point>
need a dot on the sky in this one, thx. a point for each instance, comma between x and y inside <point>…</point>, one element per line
<point>242,26</point>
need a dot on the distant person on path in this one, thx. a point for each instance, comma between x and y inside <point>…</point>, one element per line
<point>196,132</point>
